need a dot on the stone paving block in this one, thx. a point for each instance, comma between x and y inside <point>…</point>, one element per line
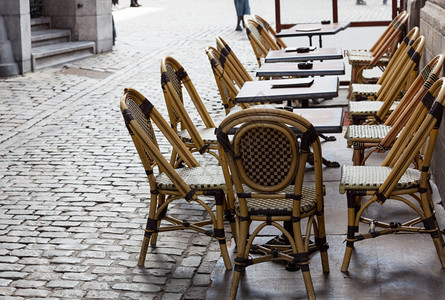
<point>69,294</point>
<point>31,293</point>
<point>102,295</point>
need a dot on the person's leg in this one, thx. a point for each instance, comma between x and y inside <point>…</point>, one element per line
<point>238,27</point>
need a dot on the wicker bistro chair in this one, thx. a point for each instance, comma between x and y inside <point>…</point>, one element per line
<point>271,31</point>
<point>227,86</point>
<point>386,100</point>
<point>395,180</point>
<point>360,91</point>
<point>258,48</point>
<point>189,183</point>
<point>267,166</point>
<point>380,137</point>
<point>240,73</point>
<point>176,85</point>
<point>380,53</point>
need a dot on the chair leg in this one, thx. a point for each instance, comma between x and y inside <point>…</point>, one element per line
<point>144,249</point>
<point>357,155</point>
<point>219,230</point>
<point>234,285</point>
<point>308,282</point>
<point>352,211</point>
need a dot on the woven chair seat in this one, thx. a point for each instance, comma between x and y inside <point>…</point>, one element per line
<point>282,207</point>
<point>364,57</point>
<point>364,89</point>
<point>367,108</point>
<point>207,135</point>
<point>372,177</point>
<point>367,133</point>
<point>198,178</point>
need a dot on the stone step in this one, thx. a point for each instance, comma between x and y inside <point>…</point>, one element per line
<point>40,23</point>
<point>49,36</point>
<point>60,53</point>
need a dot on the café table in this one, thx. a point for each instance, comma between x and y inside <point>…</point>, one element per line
<point>287,90</point>
<point>293,54</point>
<point>311,29</point>
<point>316,68</point>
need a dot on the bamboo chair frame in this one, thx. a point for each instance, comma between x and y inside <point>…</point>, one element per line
<point>249,174</point>
<point>230,56</point>
<point>174,79</point>
<point>266,39</point>
<point>380,137</point>
<point>169,185</point>
<point>394,180</point>
<point>271,30</point>
<point>258,48</point>
<point>226,85</point>
<point>382,106</point>
<point>380,53</point>
<point>360,91</point>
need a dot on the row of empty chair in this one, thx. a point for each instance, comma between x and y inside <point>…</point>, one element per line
<point>258,163</point>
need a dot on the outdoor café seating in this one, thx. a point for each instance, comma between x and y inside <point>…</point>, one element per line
<point>361,91</point>
<point>396,181</point>
<point>388,94</point>
<point>231,58</point>
<point>176,84</point>
<point>267,165</point>
<point>380,53</point>
<point>380,137</point>
<point>271,30</point>
<point>169,183</point>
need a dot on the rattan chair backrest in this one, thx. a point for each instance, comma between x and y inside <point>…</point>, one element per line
<point>139,115</point>
<point>423,123</point>
<point>241,75</point>
<point>173,79</point>
<point>422,135</point>
<point>396,26</point>
<point>226,86</point>
<point>413,105</point>
<point>271,30</point>
<point>409,39</point>
<point>264,154</point>
<point>266,39</point>
<point>393,88</point>
<point>255,41</point>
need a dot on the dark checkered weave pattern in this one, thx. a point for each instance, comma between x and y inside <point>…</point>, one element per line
<point>145,123</point>
<point>139,116</point>
<point>171,73</point>
<point>266,155</point>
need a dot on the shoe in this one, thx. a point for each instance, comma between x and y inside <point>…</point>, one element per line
<point>278,240</point>
<point>238,28</point>
<point>282,241</point>
<point>361,2</point>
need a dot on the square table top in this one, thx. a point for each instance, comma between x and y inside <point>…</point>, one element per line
<point>324,120</point>
<point>309,29</point>
<point>287,55</point>
<point>331,67</point>
<point>265,91</point>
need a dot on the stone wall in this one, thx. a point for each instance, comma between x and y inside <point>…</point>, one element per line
<point>89,20</point>
<point>18,28</point>
<point>432,26</point>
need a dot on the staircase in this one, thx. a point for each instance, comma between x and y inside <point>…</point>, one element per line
<point>51,47</point>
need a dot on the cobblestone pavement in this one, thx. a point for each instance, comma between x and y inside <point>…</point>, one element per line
<point>73,194</point>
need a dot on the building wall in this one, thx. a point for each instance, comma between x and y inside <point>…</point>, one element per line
<point>89,20</point>
<point>18,27</point>
<point>432,26</point>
